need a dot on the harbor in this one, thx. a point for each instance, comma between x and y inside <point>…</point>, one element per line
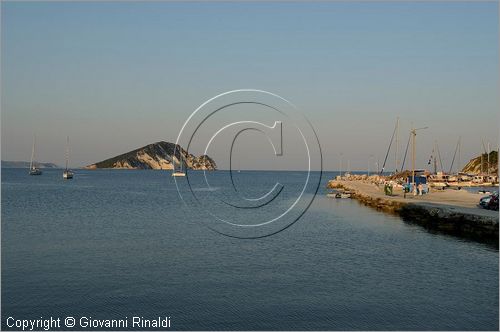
<point>450,211</point>
<point>461,201</point>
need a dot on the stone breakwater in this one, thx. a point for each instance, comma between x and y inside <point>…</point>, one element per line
<point>452,212</point>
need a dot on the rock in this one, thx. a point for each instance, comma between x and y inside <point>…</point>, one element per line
<point>159,155</point>
<point>474,165</point>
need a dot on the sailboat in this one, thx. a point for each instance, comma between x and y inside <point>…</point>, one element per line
<point>33,169</point>
<point>395,133</point>
<point>67,174</point>
<point>178,172</point>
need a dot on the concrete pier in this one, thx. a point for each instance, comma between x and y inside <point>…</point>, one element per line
<point>449,211</point>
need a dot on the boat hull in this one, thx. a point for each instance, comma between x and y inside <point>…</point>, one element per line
<point>35,171</point>
<point>178,174</point>
<point>339,194</point>
<point>67,175</point>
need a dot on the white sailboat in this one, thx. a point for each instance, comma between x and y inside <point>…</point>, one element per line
<point>67,174</point>
<point>178,172</point>
<point>33,169</point>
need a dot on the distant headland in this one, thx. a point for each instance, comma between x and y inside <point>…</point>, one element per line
<point>485,163</point>
<point>26,164</point>
<point>159,155</point>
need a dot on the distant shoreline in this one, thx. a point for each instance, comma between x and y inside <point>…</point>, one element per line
<point>26,164</point>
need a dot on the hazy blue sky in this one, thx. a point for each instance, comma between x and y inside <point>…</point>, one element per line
<point>116,76</point>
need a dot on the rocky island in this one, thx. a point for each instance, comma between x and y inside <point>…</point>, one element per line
<point>159,155</point>
<point>480,164</point>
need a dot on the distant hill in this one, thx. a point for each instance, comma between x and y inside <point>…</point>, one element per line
<point>26,164</point>
<point>474,165</point>
<point>159,155</point>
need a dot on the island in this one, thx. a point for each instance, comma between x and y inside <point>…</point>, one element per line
<point>159,155</point>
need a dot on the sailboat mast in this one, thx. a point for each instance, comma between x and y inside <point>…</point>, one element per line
<point>32,153</point>
<point>340,167</point>
<point>481,171</point>
<point>434,154</point>
<point>454,156</point>
<point>459,154</point>
<point>67,151</point>
<point>489,158</point>
<point>484,148</point>
<point>413,155</point>
<point>439,155</point>
<point>396,161</point>
<point>178,147</point>
<point>435,165</point>
<point>406,152</point>
<point>389,149</point>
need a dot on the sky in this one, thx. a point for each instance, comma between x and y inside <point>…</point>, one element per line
<point>117,76</point>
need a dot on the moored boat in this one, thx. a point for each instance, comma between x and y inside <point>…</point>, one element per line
<point>33,169</point>
<point>179,172</point>
<point>67,174</point>
<point>339,193</point>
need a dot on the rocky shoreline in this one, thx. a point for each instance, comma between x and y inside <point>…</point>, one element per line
<point>159,155</point>
<point>463,221</point>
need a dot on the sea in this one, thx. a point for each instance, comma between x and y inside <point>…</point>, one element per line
<point>119,244</point>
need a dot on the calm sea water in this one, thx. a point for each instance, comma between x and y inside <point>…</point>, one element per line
<point>115,244</point>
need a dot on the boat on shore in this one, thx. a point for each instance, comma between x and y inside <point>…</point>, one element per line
<point>339,193</point>
<point>441,180</point>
